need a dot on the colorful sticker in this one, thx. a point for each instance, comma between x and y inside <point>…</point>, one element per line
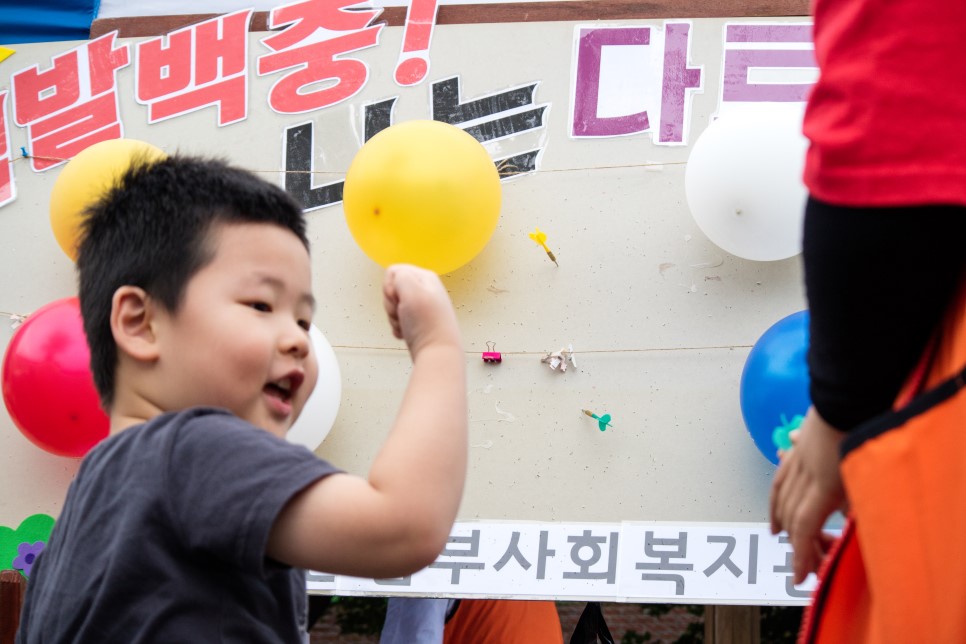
<point>19,548</point>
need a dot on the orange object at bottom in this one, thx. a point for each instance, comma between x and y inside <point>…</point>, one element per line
<point>898,574</point>
<point>504,621</point>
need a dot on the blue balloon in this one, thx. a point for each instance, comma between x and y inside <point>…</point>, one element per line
<point>774,384</point>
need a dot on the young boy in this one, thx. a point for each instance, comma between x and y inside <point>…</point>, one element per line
<point>191,522</point>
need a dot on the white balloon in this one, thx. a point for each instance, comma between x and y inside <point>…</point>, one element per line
<point>743,183</point>
<point>322,407</point>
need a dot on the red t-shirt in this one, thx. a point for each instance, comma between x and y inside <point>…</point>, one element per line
<point>887,117</point>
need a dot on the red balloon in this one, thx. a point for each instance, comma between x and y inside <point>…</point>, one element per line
<point>48,387</point>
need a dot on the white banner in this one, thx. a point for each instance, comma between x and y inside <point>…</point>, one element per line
<point>681,563</point>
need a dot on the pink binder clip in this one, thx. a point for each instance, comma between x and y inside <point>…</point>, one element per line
<point>491,356</point>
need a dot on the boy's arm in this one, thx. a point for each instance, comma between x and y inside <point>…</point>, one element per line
<point>398,520</point>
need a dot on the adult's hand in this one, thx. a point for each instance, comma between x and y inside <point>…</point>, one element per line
<point>806,490</point>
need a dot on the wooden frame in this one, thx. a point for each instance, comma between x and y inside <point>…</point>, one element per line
<point>564,10</point>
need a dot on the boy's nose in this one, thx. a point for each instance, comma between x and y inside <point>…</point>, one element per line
<point>296,341</point>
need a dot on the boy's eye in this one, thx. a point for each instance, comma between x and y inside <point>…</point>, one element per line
<point>305,324</point>
<point>261,306</point>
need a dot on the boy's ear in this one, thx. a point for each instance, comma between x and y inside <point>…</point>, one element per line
<point>132,317</point>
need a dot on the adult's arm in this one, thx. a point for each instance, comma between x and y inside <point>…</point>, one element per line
<point>878,281</point>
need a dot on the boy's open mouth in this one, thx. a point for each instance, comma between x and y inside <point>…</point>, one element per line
<point>284,388</point>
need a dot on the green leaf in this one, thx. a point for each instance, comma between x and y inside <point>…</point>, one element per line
<point>34,528</point>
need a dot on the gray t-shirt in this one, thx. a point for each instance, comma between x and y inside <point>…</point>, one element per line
<point>163,536</point>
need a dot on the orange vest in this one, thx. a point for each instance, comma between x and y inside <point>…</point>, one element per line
<point>504,621</point>
<point>898,573</point>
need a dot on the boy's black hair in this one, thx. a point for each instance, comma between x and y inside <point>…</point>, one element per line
<point>150,231</point>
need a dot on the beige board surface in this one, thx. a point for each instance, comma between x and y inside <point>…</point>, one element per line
<point>661,320</point>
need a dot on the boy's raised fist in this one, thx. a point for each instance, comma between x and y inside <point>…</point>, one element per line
<point>419,308</point>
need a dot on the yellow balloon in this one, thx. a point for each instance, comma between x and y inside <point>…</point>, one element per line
<point>424,193</point>
<point>85,179</point>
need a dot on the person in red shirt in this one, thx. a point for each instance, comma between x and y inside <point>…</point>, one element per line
<point>884,224</point>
